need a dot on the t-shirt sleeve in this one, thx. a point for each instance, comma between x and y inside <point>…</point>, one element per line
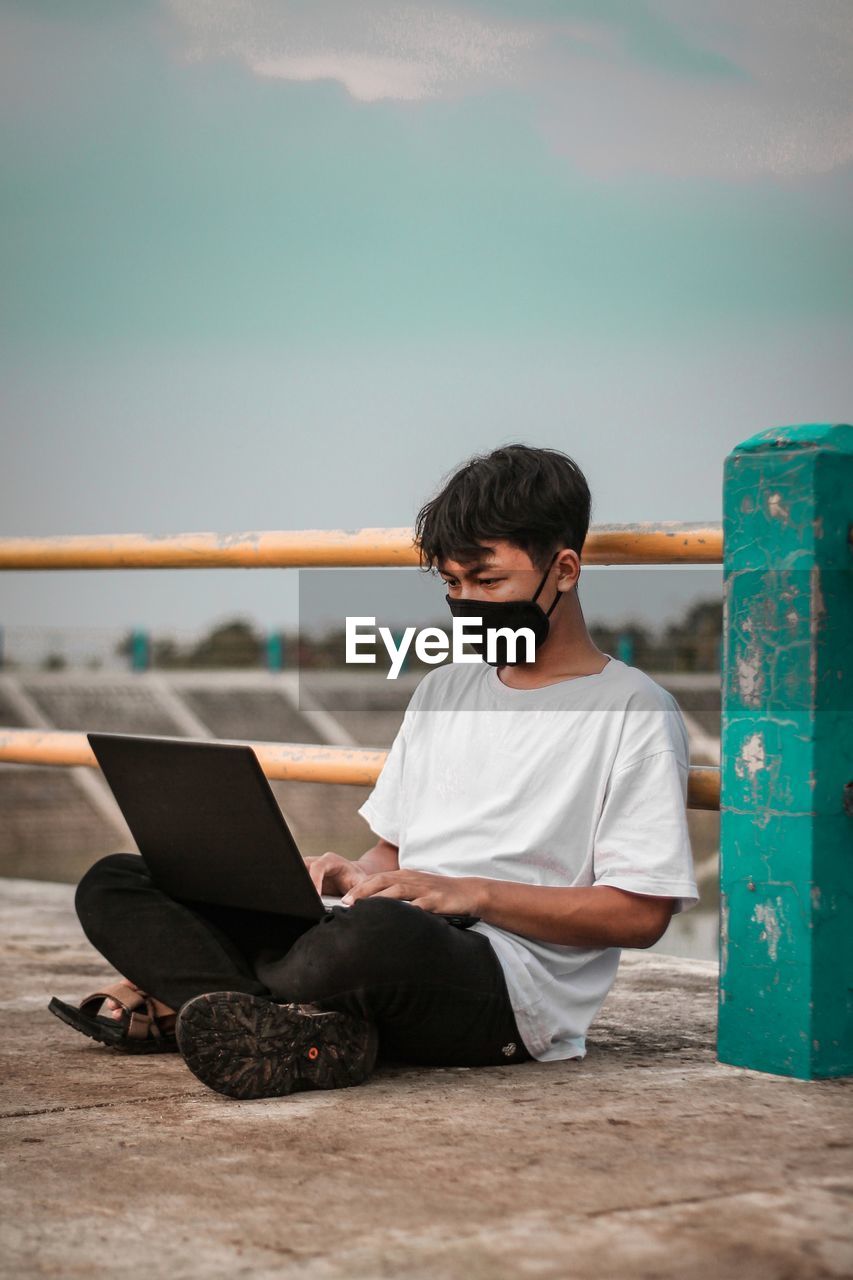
<point>382,810</point>
<point>642,842</point>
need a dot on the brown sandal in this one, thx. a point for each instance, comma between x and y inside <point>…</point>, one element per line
<point>146,1025</point>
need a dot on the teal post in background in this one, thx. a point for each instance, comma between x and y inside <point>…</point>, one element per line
<point>405,665</point>
<point>275,651</point>
<point>140,651</point>
<point>625,648</point>
<point>786,830</point>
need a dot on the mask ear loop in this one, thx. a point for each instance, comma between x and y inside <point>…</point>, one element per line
<point>542,584</point>
<point>557,598</point>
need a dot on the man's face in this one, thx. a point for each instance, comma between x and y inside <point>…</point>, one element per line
<point>505,573</point>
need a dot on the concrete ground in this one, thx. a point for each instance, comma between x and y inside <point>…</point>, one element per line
<point>646,1159</point>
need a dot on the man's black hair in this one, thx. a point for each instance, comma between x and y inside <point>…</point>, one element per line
<point>537,499</point>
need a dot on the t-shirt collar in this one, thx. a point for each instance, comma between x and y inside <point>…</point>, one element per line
<point>502,690</point>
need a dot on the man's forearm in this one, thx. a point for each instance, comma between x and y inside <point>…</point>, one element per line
<point>382,857</point>
<point>599,916</point>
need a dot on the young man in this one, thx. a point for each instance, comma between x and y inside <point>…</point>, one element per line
<point>547,798</point>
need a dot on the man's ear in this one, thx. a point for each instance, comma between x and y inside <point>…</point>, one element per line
<point>565,566</point>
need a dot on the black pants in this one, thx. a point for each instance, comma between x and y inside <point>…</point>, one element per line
<point>436,992</point>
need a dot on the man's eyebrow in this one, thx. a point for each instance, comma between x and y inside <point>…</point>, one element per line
<point>477,568</point>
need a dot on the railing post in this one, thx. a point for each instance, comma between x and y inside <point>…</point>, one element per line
<point>786,887</point>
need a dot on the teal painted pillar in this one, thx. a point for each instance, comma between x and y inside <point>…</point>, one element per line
<point>786,834</point>
<point>140,651</point>
<point>625,648</point>
<point>275,651</point>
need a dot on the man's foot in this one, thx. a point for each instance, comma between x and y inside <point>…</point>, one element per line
<point>138,1024</point>
<point>246,1047</point>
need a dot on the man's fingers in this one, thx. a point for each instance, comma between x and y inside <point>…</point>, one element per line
<point>319,867</point>
<point>385,886</point>
<point>393,891</point>
<point>369,886</point>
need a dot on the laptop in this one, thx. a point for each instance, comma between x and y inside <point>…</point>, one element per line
<point>208,825</point>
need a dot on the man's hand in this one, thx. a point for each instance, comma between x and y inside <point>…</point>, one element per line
<point>596,916</point>
<point>333,874</point>
<point>448,895</point>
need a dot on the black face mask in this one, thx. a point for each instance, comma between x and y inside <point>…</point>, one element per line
<point>497,614</point>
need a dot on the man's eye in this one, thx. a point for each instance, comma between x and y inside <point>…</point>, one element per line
<point>487,582</point>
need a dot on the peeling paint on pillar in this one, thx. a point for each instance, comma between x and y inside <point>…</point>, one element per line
<point>765,914</point>
<point>749,670</point>
<point>751,758</point>
<point>786,890</point>
<point>776,506</point>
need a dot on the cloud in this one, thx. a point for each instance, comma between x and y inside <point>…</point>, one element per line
<point>704,88</point>
<point>786,114</point>
<point>404,52</point>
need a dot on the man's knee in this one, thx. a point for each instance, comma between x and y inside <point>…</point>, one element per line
<point>105,875</point>
<point>390,931</point>
<point>373,942</point>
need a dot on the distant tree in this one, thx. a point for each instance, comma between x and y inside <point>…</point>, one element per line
<point>694,642</point>
<point>167,655</point>
<point>331,648</point>
<point>690,644</point>
<point>306,655</point>
<point>606,638</point>
<point>705,617</point>
<point>233,644</point>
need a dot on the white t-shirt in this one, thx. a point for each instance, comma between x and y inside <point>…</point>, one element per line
<point>581,782</point>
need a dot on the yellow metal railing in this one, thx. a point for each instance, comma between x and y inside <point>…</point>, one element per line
<point>357,766</point>
<point>668,542</point>
<point>291,762</point>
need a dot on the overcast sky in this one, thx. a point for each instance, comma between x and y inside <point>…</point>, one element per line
<point>279,264</point>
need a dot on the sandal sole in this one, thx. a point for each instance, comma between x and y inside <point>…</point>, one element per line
<point>112,1036</point>
<point>246,1047</point>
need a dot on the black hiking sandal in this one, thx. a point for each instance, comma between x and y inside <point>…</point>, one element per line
<point>246,1047</point>
<point>146,1025</point>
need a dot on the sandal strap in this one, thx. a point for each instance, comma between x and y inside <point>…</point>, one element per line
<point>139,1025</point>
<point>122,992</point>
<point>157,1021</point>
<point>144,1013</point>
<point>157,1009</point>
